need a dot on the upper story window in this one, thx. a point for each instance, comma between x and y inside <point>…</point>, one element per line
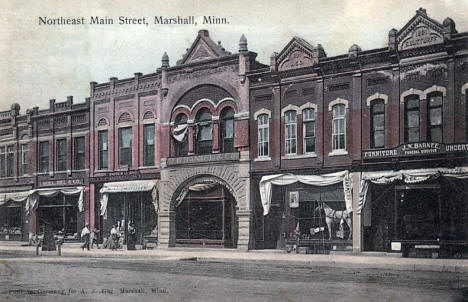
<point>2,161</point>
<point>103,146</point>
<point>434,117</point>
<point>204,132</point>
<point>378,124</point>
<point>125,146</point>
<point>44,157</point>
<point>412,119</point>
<point>10,161</point>
<point>24,159</point>
<point>263,135</point>
<point>62,155</point>
<point>227,130</point>
<point>148,145</point>
<point>180,136</point>
<point>79,148</point>
<point>291,132</point>
<point>339,127</point>
<point>308,120</point>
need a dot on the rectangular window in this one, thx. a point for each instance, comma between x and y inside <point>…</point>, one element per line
<point>378,124</point>
<point>412,119</point>
<point>103,150</point>
<point>263,135</point>
<point>2,161</point>
<point>308,119</point>
<point>125,146</point>
<point>291,132</point>
<point>435,126</point>
<point>10,161</point>
<point>79,143</point>
<point>148,145</point>
<point>44,157</point>
<point>62,153</point>
<point>339,127</point>
<point>24,159</point>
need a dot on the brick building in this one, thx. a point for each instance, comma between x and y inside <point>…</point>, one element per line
<point>364,151</point>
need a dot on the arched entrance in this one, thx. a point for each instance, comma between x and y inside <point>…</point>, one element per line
<point>205,214</point>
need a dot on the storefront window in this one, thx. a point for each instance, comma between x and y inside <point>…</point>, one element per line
<point>44,157</point>
<point>10,161</point>
<point>263,135</point>
<point>291,132</point>
<point>435,127</point>
<point>62,155</point>
<point>227,130</point>
<point>204,132</point>
<point>412,119</point>
<point>24,159</point>
<point>148,145</point>
<point>103,150</point>
<point>125,146</point>
<point>378,124</point>
<point>79,153</point>
<point>339,127</point>
<point>308,118</point>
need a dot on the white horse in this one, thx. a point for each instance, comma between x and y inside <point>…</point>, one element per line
<point>333,216</point>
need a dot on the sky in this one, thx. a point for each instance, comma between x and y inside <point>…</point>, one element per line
<point>43,62</point>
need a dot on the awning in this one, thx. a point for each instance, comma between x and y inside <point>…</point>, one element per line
<point>128,187</point>
<point>314,180</point>
<point>33,197</point>
<point>407,176</point>
<point>13,196</point>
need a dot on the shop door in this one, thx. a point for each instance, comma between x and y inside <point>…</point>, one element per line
<point>58,213</point>
<point>417,209</point>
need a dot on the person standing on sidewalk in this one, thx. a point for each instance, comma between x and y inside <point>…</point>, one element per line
<point>93,238</point>
<point>85,236</point>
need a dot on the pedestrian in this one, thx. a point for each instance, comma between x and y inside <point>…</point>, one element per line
<point>85,236</point>
<point>114,238</point>
<point>131,237</point>
<point>93,238</point>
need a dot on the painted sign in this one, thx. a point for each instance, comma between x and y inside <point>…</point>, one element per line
<point>415,149</point>
<point>124,175</point>
<point>61,182</point>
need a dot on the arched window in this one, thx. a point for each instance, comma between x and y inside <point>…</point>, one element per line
<point>180,135</point>
<point>412,119</point>
<point>263,135</point>
<point>290,120</point>
<point>308,120</point>
<point>339,127</point>
<point>434,117</point>
<point>227,130</point>
<point>204,132</point>
<point>378,123</point>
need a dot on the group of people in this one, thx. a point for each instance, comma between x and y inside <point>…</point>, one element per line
<point>113,241</point>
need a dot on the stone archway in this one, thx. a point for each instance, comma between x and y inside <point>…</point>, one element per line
<point>233,176</point>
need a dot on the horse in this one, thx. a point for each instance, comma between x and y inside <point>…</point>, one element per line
<point>333,216</point>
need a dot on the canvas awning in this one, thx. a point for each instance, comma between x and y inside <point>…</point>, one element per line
<point>314,180</point>
<point>407,176</point>
<point>33,196</point>
<point>13,196</point>
<point>128,187</point>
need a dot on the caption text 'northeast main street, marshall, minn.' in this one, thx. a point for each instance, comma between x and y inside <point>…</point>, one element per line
<point>125,20</point>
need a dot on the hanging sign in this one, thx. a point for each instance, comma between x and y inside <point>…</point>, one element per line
<point>294,199</point>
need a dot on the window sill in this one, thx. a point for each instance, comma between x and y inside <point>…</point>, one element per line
<point>148,167</point>
<point>264,158</point>
<point>298,156</point>
<point>338,152</point>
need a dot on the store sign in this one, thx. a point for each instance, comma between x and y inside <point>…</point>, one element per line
<point>421,36</point>
<point>61,182</point>
<point>124,175</point>
<point>416,149</point>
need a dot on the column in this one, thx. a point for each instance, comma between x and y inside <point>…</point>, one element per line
<point>358,233</point>
<point>166,229</point>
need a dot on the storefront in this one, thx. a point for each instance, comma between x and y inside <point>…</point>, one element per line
<point>420,213</point>
<point>57,210</point>
<point>206,215</point>
<point>127,202</point>
<point>13,220</point>
<point>310,213</point>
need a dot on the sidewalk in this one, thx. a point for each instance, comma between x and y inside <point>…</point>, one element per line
<point>363,260</point>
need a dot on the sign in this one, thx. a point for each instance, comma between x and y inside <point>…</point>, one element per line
<point>294,199</point>
<point>61,182</point>
<point>124,175</point>
<point>420,37</point>
<point>415,149</point>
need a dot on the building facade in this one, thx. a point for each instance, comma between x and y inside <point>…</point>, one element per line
<point>365,151</point>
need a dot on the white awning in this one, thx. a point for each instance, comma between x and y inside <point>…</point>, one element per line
<point>33,197</point>
<point>13,196</point>
<point>128,187</point>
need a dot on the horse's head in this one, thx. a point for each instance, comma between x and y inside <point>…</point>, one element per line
<point>321,206</point>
